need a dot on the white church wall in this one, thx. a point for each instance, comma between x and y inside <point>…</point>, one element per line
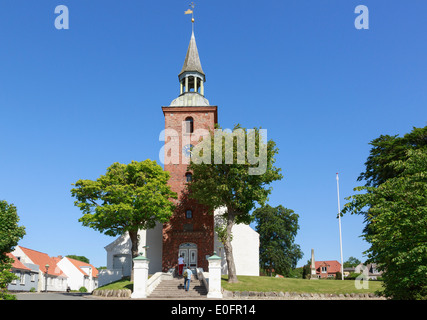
<point>106,276</point>
<point>119,258</point>
<point>120,246</point>
<point>245,245</point>
<point>116,249</point>
<point>153,239</point>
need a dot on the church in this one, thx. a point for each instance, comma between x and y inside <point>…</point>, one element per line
<point>190,231</point>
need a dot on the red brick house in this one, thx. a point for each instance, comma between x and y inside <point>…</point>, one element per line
<point>327,269</point>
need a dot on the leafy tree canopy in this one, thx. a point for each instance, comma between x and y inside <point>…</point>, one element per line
<point>10,234</point>
<point>351,262</point>
<point>386,149</point>
<point>277,228</point>
<point>79,258</point>
<point>396,211</point>
<point>129,197</point>
<point>236,184</point>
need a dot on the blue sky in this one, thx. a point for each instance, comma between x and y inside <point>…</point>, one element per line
<point>72,102</point>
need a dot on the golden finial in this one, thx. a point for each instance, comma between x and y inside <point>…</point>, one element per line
<point>191,11</point>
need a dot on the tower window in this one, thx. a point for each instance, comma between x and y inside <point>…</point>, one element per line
<point>189,125</point>
<point>188,176</point>
<point>189,214</point>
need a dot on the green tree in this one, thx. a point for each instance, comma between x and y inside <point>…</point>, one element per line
<point>236,182</point>
<point>396,211</point>
<point>386,149</point>
<point>351,262</point>
<point>277,228</point>
<point>10,234</point>
<point>79,258</point>
<point>306,270</point>
<point>126,199</point>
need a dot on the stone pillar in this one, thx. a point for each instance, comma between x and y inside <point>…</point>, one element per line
<point>202,88</point>
<point>313,267</point>
<point>181,88</point>
<point>195,84</point>
<point>214,277</point>
<point>140,277</point>
<point>186,85</point>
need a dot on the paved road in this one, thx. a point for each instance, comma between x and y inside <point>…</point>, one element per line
<point>52,296</point>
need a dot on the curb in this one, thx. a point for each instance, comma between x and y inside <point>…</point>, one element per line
<point>122,293</point>
<point>297,296</point>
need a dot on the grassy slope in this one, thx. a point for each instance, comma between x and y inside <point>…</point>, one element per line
<point>265,284</point>
<point>118,285</point>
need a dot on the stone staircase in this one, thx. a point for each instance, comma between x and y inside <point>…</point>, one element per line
<point>174,289</point>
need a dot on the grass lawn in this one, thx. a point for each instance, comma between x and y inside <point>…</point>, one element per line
<point>125,283</point>
<point>265,284</point>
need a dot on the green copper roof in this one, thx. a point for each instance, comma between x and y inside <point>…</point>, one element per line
<point>141,257</point>
<point>214,257</point>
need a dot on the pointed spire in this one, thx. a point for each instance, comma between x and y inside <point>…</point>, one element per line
<point>192,60</point>
<point>191,79</point>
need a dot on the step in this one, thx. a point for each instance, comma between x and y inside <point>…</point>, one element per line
<point>175,289</point>
<point>197,288</point>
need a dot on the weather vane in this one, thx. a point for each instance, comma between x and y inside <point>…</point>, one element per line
<point>191,11</point>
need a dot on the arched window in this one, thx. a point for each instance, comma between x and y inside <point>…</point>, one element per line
<point>189,214</point>
<point>189,125</point>
<point>188,176</point>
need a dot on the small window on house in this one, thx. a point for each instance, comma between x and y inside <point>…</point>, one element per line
<point>188,177</point>
<point>189,125</point>
<point>324,270</point>
<point>189,214</point>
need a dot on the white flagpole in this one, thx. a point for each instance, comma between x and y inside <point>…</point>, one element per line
<point>339,221</point>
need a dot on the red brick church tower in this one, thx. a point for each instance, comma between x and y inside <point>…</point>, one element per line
<point>190,231</point>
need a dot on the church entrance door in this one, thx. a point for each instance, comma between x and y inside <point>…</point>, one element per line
<point>189,253</point>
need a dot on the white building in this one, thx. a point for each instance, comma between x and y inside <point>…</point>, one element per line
<point>245,245</point>
<point>51,277</point>
<point>80,274</point>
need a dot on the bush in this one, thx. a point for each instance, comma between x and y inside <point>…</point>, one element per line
<point>8,296</point>
<point>306,271</point>
<point>82,289</point>
<point>296,273</point>
<point>354,275</point>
